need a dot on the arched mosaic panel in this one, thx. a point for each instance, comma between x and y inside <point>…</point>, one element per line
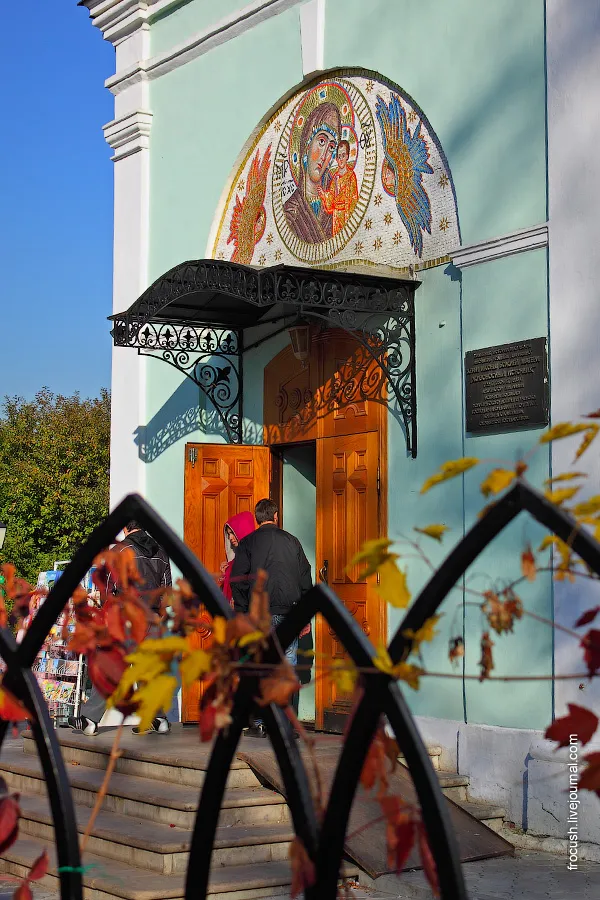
<point>347,171</point>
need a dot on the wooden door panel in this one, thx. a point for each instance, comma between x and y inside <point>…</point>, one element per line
<point>350,375</point>
<point>348,504</point>
<point>220,481</point>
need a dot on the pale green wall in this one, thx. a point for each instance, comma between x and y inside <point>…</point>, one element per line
<point>188,18</point>
<point>477,71</point>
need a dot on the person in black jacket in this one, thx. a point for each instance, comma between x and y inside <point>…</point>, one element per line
<point>281,555</point>
<point>154,569</point>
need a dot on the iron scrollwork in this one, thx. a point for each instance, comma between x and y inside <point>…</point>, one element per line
<point>377,311</point>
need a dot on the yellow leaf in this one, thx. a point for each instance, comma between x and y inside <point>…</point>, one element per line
<point>344,675</point>
<point>219,628</point>
<point>373,553</point>
<point>425,633</point>
<point>410,674</point>
<point>560,495</point>
<point>154,698</point>
<point>587,507</point>
<point>450,470</point>
<point>562,430</point>
<point>592,432</point>
<point>547,542</point>
<point>194,665</point>
<point>168,646</point>
<point>392,585</point>
<point>250,638</point>
<point>382,661</point>
<point>309,653</point>
<point>433,531</point>
<point>566,476</point>
<point>497,481</point>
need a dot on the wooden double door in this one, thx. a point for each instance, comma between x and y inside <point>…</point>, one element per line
<point>350,437</point>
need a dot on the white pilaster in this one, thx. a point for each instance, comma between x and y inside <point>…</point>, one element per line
<point>573,67</point>
<point>312,29</point>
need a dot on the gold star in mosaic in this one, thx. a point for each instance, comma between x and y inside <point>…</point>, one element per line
<point>369,87</point>
<point>241,185</point>
<point>220,255</point>
<point>262,259</point>
<point>377,243</point>
<point>388,218</point>
<point>444,224</point>
<point>412,116</point>
<point>368,224</point>
<point>270,238</point>
<point>378,199</point>
<point>277,126</point>
<point>397,238</point>
<point>444,180</point>
<point>358,247</point>
<point>278,255</point>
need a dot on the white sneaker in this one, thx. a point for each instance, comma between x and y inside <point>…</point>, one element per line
<point>159,725</point>
<point>82,723</point>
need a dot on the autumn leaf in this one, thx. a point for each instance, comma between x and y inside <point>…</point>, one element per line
<point>428,862</point>
<point>560,495</point>
<point>400,831</point>
<point>379,763</point>
<point>501,613</point>
<point>279,687</point>
<point>23,892</point>
<point>528,567</point>
<point>433,531</point>
<point>591,650</point>
<point>497,481</point>
<point>593,415</point>
<point>486,662</point>
<point>344,675</point>
<point>195,664</point>
<point>562,430</point>
<point>251,638</point>
<point>456,649</point>
<point>167,646</point>
<point>402,671</point>
<point>11,709</point>
<point>106,668</point>
<point>588,438</point>
<point>10,812</point>
<point>258,610</point>
<point>450,470</point>
<point>392,587</point>
<point>154,698</point>
<point>589,780</point>
<point>373,554</point>
<point>219,629</point>
<point>566,476</point>
<point>424,634</point>
<point>547,542</point>
<point>207,722</point>
<point>579,721</point>
<point>588,616</point>
<point>587,507</point>
<point>304,874</point>
<point>40,867</point>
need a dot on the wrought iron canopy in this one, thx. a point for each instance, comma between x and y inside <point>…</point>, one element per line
<point>194,318</point>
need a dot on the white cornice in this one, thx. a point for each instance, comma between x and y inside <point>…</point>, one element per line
<point>129,134</point>
<point>197,44</point>
<point>528,239</point>
<point>117,19</point>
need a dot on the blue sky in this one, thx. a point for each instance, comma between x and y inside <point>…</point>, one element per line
<point>56,200</point>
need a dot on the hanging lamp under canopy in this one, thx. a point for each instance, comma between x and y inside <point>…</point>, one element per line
<point>196,318</point>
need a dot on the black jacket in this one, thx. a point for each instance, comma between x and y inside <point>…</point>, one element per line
<point>281,555</point>
<point>151,560</point>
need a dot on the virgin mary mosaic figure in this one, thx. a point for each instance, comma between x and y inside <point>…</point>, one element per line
<point>305,211</point>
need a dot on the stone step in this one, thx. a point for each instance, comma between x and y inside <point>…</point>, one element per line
<point>158,847</point>
<point>488,813</point>
<point>114,880</point>
<point>454,786</point>
<point>143,798</point>
<point>169,758</point>
<point>434,751</point>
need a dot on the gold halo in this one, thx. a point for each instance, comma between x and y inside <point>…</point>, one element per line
<point>324,92</point>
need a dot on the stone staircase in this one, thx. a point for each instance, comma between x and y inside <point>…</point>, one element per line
<point>139,846</point>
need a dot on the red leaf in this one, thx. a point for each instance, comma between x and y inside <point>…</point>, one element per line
<point>580,721</point>
<point>11,709</point>
<point>428,862</point>
<point>39,868</point>
<point>303,870</point>
<point>137,616</point>
<point>528,567</point>
<point>591,646</point>
<point>589,779</point>
<point>400,832</point>
<point>23,892</point>
<point>9,820</point>
<point>206,722</point>
<point>105,669</point>
<point>114,623</point>
<point>593,415</point>
<point>588,616</point>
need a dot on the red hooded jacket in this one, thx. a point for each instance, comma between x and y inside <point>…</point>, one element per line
<point>242,524</point>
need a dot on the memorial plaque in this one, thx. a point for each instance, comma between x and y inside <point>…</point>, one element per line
<point>507,386</point>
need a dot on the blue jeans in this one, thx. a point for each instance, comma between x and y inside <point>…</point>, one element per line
<point>291,654</point>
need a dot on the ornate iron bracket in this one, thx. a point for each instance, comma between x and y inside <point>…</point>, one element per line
<point>378,312</point>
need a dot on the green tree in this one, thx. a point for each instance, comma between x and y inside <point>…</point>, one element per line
<point>54,468</point>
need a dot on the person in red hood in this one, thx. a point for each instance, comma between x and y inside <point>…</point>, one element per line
<point>235,528</point>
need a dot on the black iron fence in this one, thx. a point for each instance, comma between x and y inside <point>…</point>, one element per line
<point>323,839</point>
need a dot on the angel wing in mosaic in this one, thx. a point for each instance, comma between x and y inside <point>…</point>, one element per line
<point>249,218</point>
<point>405,163</point>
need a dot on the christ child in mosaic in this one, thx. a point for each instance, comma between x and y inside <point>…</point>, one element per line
<point>342,196</point>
